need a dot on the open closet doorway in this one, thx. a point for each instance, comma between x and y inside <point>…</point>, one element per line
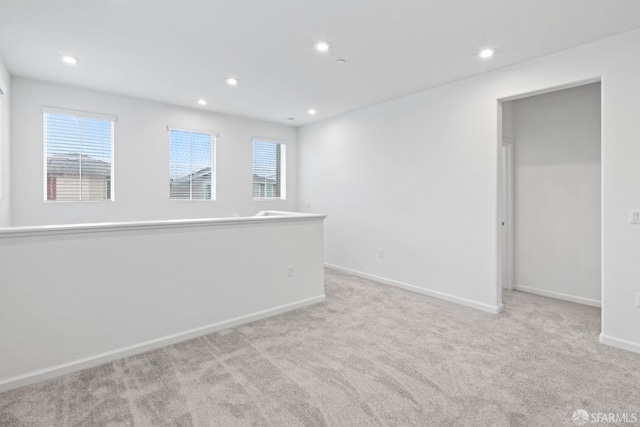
<point>550,194</point>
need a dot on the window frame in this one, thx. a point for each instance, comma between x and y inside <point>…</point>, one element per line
<point>214,156</point>
<point>283,170</point>
<point>82,114</point>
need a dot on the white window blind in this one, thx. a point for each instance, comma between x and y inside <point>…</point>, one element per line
<point>269,170</point>
<point>192,174</point>
<point>78,157</point>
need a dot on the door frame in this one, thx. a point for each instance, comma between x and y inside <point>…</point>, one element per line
<point>504,205</point>
<point>506,210</point>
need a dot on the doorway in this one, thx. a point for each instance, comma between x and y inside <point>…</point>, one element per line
<point>550,193</point>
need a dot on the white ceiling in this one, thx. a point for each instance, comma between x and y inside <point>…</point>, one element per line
<point>180,51</point>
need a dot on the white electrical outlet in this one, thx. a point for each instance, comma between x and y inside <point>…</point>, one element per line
<point>634,216</point>
<point>381,253</point>
<point>290,271</point>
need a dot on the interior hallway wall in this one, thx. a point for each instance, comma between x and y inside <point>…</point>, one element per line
<point>5,151</point>
<point>557,194</point>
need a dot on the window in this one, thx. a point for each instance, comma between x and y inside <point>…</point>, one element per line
<point>192,174</point>
<point>78,156</point>
<point>269,170</point>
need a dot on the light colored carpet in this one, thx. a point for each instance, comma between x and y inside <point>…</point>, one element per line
<point>370,355</point>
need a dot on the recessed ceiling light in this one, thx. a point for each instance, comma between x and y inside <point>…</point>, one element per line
<point>311,112</point>
<point>202,101</point>
<point>322,46</point>
<point>70,60</point>
<point>291,118</point>
<point>341,61</point>
<point>486,53</point>
<point>231,81</point>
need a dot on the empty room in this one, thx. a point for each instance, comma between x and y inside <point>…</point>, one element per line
<point>336,213</point>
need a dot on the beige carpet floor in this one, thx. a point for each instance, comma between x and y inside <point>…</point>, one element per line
<point>370,355</point>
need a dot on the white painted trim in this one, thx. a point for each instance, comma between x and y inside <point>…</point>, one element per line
<point>269,217</point>
<point>276,213</point>
<point>620,343</point>
<point>544,90</point>
<point>558,295</point>
<point>266,139</point>
<point>214,133</point>
<point>99,359</point>
<point>87,114</point>
<point>440,295</point>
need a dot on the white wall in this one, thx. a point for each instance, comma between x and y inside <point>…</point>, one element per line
<point>505,196</point>
<point>417,176</point>
<point>141,160</point>
<point>78,297</point>
<point>557,194</point>
<point>5,194</point>
<point>507,119</point>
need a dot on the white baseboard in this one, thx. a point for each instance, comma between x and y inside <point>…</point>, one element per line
<point>617,342</point>
<point>493,309</point>
<point>558,295</point>
<point>99,359</point>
